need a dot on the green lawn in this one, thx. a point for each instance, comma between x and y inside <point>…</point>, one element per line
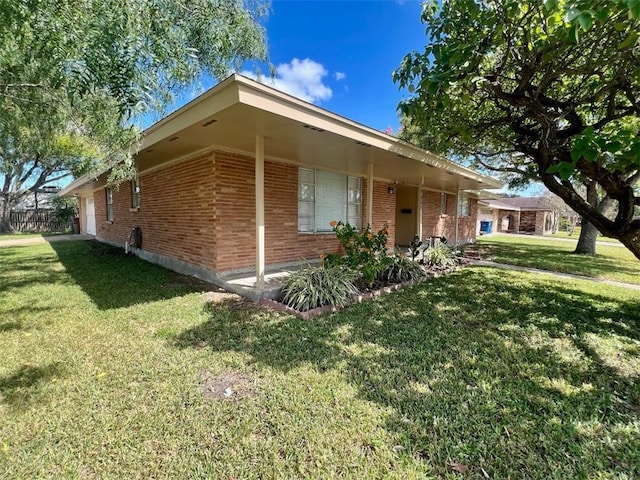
<point>565,234</point>
<point>502,374</point>
<point>613,263</point>
<point>576,235</point>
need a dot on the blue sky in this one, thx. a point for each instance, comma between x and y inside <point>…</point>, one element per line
<point>337,54</point>
<point>340,54</point>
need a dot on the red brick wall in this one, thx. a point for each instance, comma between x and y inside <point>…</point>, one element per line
<point>435,224</point>
<point>235,215</point>
<point>467,226</point>
<point>384,209</point>
<point>202,211</point>
<point>175,215</point>
<point>235,223</point>
<point>527,222</point>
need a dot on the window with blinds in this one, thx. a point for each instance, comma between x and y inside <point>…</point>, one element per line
<point>326,196</point>
<point>464,206</point>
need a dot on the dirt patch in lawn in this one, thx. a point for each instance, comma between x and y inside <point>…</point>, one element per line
<point>232,301</point>
<point>228,386</point>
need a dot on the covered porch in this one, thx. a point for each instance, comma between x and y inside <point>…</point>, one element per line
<point>245,118</point>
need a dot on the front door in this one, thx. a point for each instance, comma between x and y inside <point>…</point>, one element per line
<point>90,216</point>
<point>406,200</point>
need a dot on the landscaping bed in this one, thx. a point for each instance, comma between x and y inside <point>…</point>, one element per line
<point>363,269</point>
<point>360,297</point>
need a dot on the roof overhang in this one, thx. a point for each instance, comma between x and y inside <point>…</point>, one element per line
<point>497,206</point>
<point>232,114</point>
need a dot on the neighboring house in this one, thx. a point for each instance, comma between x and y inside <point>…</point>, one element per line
<point>40,199</point>
<point>529,215</point>
<point>246,179</point>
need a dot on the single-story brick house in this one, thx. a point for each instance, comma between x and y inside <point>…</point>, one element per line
<point>245,179</point>
<point>528,215</point>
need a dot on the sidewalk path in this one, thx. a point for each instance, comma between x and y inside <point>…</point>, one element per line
<point>549,237</point>
<point>23,242</point>
<point>571,276</point>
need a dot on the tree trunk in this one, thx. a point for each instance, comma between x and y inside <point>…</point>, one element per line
<point>588,233</point>
<point>631,240</point>
<point>5,216</point>
<point>587,241</point>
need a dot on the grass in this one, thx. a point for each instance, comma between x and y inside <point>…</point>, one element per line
<point>576,235</point>
<point>610,262</point>
<point>102,359</point>
<point>564,234</point>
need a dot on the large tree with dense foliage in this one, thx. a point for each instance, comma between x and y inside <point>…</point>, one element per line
<point>73,73</point>
<point>547,90</point>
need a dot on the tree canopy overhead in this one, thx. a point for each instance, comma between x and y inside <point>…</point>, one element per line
<point>74,73</point>
<point>542,90</point>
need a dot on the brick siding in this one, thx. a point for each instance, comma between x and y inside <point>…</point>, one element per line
<point>436,224</point>
<point>175,214</point>
<point>202,211</point>
<point>527,222</point>
<point>235,222</point>
<point>235,215</point>
<point>384,209</point>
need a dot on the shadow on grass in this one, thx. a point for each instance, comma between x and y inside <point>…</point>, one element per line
<point>510,373</point>
<point>24,387</point>
<point>9,326</point>
<point>113,279</point>
<point>20,266</point>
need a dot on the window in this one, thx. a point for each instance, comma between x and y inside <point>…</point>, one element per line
<point>326,196</point>
<point>135,194</point>
<point>443,203</point>
<point>109,195</point>
<point>464,206</point>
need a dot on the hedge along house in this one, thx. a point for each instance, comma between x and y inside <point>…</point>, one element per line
<point>245,179</point>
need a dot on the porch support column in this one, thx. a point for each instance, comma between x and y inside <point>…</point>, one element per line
<point>455,238</point>
<point>370,195</point>
<point>419,210</point>
<point>260,239</point>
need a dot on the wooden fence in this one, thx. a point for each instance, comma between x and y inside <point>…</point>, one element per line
<point>37,221</point>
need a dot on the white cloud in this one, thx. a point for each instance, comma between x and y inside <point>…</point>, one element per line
<point>340,76</point>
<point>300,78</point>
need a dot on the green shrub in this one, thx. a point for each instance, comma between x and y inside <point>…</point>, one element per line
<point>370,271</point>
<point>364,252</point>
<point>441,256</point>
<point>313,287</point>
<point>401,269</point>
<point>361,248</point>
<point>65,208</point>
<point>330,260</point>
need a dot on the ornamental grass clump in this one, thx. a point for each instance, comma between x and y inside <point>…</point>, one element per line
<point>400,269</point>
<point>441,256</point>
<point>313,287</point>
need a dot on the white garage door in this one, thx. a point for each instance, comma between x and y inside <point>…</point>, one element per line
<point>91,216</point>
